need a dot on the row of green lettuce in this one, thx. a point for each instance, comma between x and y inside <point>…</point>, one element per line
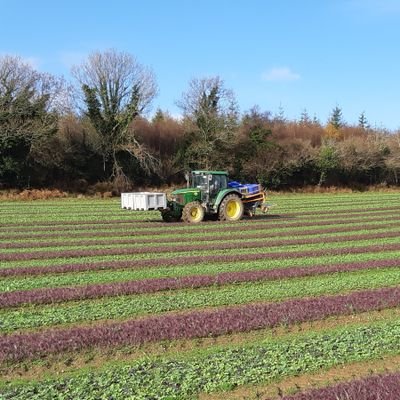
<point>130,243</point>
<point>121,307</point>
<point>219,369</point>
<point>285,251</point>
<point>189,269</point>
<point>265,228</point>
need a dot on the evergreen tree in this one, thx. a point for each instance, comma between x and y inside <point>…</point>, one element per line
<point>158,116</point>
<point>336,119</point>
<point>316,121</point>
<point>280,117</point>
<point>362,121</point>
<point>305,118</point>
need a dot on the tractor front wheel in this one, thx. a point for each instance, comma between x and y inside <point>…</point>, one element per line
<point>193,212</point>
<point>231,208</point>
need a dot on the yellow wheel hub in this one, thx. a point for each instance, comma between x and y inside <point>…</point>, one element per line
<point>195,213</point>
<point>232,209</point>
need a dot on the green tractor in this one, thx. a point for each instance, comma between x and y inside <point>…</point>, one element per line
<point>209,193</point>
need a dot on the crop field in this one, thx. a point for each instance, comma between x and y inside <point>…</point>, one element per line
<point>302,303</point>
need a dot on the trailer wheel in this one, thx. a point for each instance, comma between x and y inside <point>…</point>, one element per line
<point>231,208</point>
<point>193,212</point>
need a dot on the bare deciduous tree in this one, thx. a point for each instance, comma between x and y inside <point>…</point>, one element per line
<point>116,89</point>
<point>30,103</point>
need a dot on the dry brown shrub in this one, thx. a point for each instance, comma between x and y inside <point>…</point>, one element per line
<point>39,194</point>
<point>311,133</point>
<point>107,195</point>
<point>102,187</point>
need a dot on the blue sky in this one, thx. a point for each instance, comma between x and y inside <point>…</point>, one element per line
<point>294,54</point>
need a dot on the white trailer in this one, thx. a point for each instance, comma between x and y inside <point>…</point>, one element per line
<point>143,201</point>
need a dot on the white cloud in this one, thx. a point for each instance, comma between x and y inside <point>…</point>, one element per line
<point>282,74</point>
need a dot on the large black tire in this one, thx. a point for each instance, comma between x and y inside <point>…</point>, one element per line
<point>231,208</point>
<point>193,212</point>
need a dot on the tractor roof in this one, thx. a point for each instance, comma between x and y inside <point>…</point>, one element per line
<point>209,172</point>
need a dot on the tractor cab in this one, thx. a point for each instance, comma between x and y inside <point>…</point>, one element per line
<point>210,183</point>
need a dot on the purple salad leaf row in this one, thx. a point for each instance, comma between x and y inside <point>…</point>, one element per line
<point>58,295</point>
<point>17,347</point>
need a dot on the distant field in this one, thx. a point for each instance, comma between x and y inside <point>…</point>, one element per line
<point>102,303</point>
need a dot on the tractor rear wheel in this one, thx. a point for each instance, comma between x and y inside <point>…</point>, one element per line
<point>193,212</point>
<point>231,208</point>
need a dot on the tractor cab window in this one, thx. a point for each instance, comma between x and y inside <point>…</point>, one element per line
<point>217,183</point>
<point>200,182</point>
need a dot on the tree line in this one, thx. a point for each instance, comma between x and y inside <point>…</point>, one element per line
<point>71,135</point>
